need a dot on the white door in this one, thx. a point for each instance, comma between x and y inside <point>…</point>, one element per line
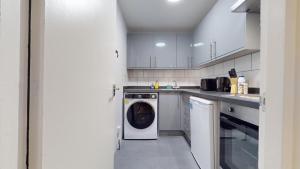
<point>78,117</point>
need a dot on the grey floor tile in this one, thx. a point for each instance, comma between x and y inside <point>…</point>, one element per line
<point>168,152</point>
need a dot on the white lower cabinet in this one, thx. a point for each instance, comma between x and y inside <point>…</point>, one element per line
<point>202,132</point>
<point>169,111</point>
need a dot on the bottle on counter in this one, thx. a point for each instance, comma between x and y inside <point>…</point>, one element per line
<point>234,86</point>
<point>241,82</point>
<point>152,85</point>
<point>156,85</point>
<point>246,86</point>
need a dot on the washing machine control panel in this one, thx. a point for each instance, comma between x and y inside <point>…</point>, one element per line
<point>141,96</point>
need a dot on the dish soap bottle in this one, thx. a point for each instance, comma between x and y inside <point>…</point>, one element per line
<point>156,85</point>
<point>152,86</point>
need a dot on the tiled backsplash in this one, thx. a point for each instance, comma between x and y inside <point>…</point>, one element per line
<point>248,65</point>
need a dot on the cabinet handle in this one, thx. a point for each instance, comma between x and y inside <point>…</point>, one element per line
<point>150,61</point>
<point>215,48</point>
<point>211,52</point>
<point>155,61</point>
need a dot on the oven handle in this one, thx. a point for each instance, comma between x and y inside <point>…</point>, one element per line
<point>245,127</point>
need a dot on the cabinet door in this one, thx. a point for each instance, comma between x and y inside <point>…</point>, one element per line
<point>169,112</point>
<point>165,50</point>
<point>203,37</point>
<point>131,56</point>
<point>184,50</point>
<point>140,50</point>
<point>230,29</point>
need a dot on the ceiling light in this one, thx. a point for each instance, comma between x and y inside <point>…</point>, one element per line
<point>160,44</point>
<point>174,1</point>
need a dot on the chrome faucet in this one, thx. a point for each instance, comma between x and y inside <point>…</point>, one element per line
<point>175,85</point>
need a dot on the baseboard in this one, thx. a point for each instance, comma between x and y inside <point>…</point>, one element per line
<point>171,133</point>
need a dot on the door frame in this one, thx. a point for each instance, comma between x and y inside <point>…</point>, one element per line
<point>278,83</point>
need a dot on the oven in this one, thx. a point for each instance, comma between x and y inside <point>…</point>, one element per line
<point>238,137</point>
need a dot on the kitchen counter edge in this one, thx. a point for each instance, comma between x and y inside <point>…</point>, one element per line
<point>210,95</point>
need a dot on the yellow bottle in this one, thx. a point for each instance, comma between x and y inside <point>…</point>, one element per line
<point>156,85</point>
<point>234,85</point>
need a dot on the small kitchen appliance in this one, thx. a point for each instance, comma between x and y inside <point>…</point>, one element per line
<point>223,84</point>
<point>208,84</point>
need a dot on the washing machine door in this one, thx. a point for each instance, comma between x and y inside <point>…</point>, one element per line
<point>140,115</point>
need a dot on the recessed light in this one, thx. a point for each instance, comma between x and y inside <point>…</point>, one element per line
<point>160,44</point>
<point>173,1</point>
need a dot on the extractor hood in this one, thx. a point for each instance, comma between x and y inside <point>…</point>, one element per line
<point>250,6</point>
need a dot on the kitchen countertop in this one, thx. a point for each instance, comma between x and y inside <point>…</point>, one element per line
<point>250,100</point>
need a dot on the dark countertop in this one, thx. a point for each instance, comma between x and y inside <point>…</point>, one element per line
<point>251,100</point>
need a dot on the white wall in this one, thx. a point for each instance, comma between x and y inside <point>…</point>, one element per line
<point>23,83</point>
<point>13,87</point>
<point>248,65</point>
<point>297,108</point>
<point>36,81</point>
<point>120,67</point>
<point>73,75</point>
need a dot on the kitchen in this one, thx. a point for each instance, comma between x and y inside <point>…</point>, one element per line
<point>212,60</point>
<point>182,84</point>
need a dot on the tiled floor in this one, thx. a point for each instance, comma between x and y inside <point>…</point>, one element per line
<point>168,152</point>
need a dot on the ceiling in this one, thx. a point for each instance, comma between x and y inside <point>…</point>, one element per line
<point>161,15</point>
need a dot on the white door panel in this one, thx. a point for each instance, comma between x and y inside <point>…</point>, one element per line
<point>78,117</point>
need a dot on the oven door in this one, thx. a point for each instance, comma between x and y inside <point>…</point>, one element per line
<point>238,143</point>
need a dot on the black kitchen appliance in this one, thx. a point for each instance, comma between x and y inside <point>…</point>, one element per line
<point>223,84</point>
<point>238,137</point>
<point>208,84</point>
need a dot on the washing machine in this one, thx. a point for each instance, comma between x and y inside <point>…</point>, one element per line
<point>140,116</point>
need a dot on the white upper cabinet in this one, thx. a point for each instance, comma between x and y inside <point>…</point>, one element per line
<point>140,50</point>
<point>230,31</point>
<point>204,36</point>
<point>223,34</point>
<point>165,50</point>
<point>159,50</point>
<point>235,31</point>
<point>184,50</point>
